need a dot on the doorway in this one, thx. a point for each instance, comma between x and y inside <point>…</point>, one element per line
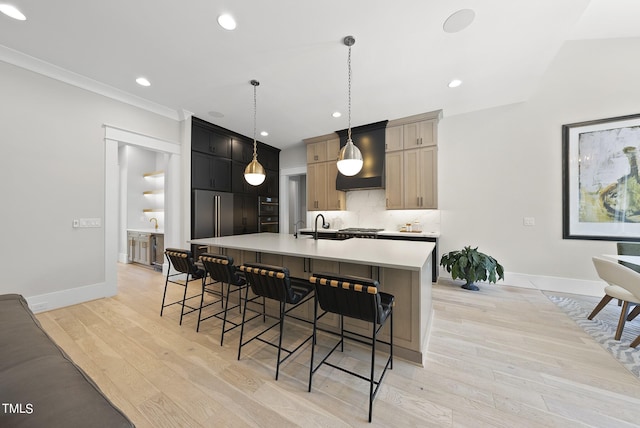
<point>114,232</point>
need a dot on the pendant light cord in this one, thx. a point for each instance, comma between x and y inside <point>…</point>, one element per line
<point>255,154</point>
<point>349,66</point>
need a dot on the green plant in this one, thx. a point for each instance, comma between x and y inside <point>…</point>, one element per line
<point>471,265</point>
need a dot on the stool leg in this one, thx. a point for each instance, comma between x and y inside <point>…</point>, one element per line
<point>244,313</point>
<point>313,340</point>
<point>280,338</point>
<point>201,303</point>
<point>226,307</point>
<point>184,298</point>
<point>164,295</point>
<point>373,365</point>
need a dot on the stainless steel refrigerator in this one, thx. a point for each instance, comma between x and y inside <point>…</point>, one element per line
<point>212,214</point>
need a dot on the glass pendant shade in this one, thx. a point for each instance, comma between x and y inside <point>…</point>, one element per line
<point>254,173</point>
<point>350,159</point>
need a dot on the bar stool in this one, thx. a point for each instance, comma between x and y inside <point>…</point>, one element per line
<point>220,269</point>
<point>359,298</point>
<point>274,282</point>
<point>183,264</point>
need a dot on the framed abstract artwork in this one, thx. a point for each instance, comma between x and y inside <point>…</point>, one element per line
<point>601,185</point>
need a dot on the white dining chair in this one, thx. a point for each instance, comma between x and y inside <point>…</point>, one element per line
<point>624,284</point>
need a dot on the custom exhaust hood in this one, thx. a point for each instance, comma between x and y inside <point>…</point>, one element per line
<point>370,139</point>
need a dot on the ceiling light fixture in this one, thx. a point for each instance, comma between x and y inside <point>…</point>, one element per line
<point>336,114</point>
<point>455,83</point>
<point>264,133</point>
<point>143,81</point>
<point>12,12</point>
<point>350,158</point>
<point>227,22</point>
<point>254,172</point>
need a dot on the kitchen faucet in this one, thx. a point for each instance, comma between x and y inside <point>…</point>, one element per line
<point>295,228</point>
<point>325,225</point>
<point>154,219</point>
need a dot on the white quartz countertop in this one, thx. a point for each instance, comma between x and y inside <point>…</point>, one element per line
<point>408,255</point>
<point>148,230</point>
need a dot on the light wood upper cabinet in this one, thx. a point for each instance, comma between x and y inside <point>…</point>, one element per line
<point>317,152</point>
<point>393,139</point>
<point>420,184</point>
<point>336,199</point>
<point>322,170</point>
<point>419,134</point>
<point>394,180</point>
<point>411,162</point>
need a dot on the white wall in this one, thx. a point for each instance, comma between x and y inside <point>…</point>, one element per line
<point>500,165</point>
<point>52,171</point>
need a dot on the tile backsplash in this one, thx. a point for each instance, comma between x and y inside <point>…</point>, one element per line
<point>366,208</point>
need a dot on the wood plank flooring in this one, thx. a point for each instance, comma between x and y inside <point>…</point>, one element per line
<point>501,357</point>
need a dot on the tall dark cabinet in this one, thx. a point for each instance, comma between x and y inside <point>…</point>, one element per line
<point>218,159</point>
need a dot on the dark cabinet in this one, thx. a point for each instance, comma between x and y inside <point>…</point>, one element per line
<point>210,172</point>
<point>241,150</point>
<point>268,156</point>
<point>238,183</point>
<point>270,185</point>
<point>245,214</point>
<point>207,141</point>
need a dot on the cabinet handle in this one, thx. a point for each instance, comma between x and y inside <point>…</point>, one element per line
<point>420,140</point>
<point>315,157</point>
<point>421,203</point>
<point>418,200</point>
<point>387,203</point>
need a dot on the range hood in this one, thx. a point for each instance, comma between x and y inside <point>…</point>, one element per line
<point>370,139</point>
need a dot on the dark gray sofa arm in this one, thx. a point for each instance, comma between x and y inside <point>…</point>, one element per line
<point>39,384</point>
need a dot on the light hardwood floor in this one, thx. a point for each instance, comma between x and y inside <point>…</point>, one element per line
<point>504,357</point>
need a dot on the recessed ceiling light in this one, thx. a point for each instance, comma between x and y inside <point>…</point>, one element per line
<point>336,114</point>
<point>264,133</point>
<point>455,83</point>
<point>216,114</point>
<point>227,22</point>
<point>459,20</point>
<point>12,12</point>
<point>142,81</point>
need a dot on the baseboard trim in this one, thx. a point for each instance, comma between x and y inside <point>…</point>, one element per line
<point>546,283</point>
<point>71,296</point>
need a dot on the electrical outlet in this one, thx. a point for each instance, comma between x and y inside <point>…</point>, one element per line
<point>529,221</point>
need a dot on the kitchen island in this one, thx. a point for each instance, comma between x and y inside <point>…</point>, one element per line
<point>403,269</point>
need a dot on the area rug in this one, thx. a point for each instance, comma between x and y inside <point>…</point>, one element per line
<point>603,327</point>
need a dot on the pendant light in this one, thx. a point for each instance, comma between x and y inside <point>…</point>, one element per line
<point>254,172</point>
<point>350,159</point>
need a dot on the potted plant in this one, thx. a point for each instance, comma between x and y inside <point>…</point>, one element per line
<point>471,265</point>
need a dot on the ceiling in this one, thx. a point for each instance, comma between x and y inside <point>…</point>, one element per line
<point>402,60</point>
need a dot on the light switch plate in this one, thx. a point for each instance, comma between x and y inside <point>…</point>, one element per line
<point>529,221</point>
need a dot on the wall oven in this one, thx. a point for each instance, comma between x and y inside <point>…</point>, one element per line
<point>268,206</point>
<point>268,211</point>
<point>268,224</point>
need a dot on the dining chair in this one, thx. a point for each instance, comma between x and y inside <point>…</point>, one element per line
<point>358,298</point>
<point>623,284</point>
<point>185,270</point>
<point>275,283</point>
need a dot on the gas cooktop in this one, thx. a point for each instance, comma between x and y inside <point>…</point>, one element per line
<point>359,230</point>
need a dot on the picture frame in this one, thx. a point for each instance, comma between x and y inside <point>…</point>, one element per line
<point>601,182</point>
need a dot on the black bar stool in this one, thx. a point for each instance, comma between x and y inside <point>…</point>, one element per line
<point>220,269</point>
<point>182,262</point>
<point>354,297</point>
<point>274,282</point>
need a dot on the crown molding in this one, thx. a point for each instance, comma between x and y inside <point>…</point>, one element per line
<point>36,65</point>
